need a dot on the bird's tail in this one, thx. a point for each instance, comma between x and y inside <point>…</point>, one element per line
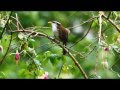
<point>64,51</point>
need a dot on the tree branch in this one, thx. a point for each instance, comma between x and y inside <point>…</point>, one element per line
<point>111,21</point>
<point>60,45</point>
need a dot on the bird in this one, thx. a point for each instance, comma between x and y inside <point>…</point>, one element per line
<point>60,32</point>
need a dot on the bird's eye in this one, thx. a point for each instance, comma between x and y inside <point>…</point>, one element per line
<point>58,23</point>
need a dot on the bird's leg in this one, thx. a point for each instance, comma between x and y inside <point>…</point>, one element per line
<point>64,45</point>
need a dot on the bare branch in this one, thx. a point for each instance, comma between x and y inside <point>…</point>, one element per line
<point>91,51</point>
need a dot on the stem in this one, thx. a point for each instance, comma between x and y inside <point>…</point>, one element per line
<point>60,70</point>
<point>100,25</point>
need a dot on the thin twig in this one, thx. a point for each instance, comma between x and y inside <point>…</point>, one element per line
<point>60,70</point>
<point>103,31</point>
<point>76,52</point>
<point>109,15</point>
<point>60,45</point>
<point>100,27</point>
<point>89,20</point>
<point>18,21</point>
<point>83,36</point>
<point>6,24</point>
<point>32,60</point>
<point>45,50</point>
<point>13,24</point>
<point>96,62</point>
<point>111,21</point>
<point>91,51</point>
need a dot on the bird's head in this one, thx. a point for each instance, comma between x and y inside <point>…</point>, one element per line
<point>55,23</point>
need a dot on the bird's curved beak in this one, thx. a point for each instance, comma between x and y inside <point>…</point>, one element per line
<point>49,22</point>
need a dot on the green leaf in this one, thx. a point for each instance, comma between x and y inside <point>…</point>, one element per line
<point>32,66</point>
<point>21,72</point>
<point>5,40</point>
<point>65,68</point>
<point>115,36</point>
<point>47,53</point>
<point>37,62</point>
<point>26,74</point>
<point>2,75</point>
<point>24,46</point>
<point>2,23</point>
<point>64,59</point>
<point>104,23</point>
<point>95,23</point>
<point>53,59</point>
<point>116,67</point>
<point>39,72</point>
<point>44,58</point>
<point>94,76</point>
<point>32,51</point>
<point>72,69</point>
<point>24,53</point>
<point>21,36</point>
<point>115,48</point>
<point>31,42</point>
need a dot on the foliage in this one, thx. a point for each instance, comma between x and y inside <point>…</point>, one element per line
<point>94,44</point>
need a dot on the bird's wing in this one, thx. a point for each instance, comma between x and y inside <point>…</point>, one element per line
<point>63,35</point>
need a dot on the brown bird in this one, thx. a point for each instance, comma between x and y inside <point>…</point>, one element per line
<point>60,33</point>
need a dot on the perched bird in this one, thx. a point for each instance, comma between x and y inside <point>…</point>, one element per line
<point>60,33</point>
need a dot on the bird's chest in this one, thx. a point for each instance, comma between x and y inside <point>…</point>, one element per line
<point>55,31</point>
